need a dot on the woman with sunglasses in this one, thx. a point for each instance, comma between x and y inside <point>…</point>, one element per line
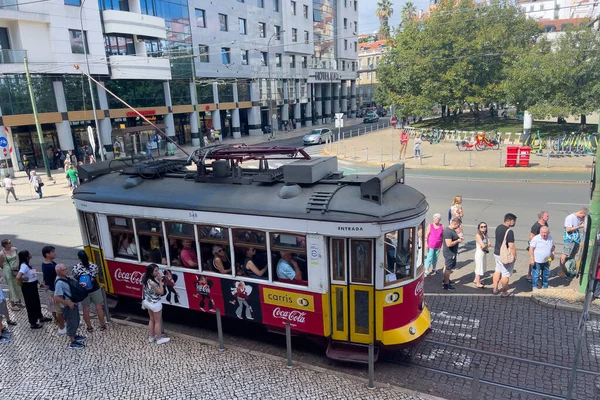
<point>220,261</point>
<point>481,249</point>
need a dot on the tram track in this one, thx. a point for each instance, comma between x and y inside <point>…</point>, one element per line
<point>456,361</point>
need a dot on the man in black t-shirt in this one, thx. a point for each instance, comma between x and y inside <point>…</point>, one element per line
<point>504,271</point>
<point>450,250</point>
<point>543,217</point>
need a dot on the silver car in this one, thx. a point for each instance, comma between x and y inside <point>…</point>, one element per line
<point>317,136</point>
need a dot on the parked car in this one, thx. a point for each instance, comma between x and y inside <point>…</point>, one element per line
<point>317,136</point>
<point>371,118</point>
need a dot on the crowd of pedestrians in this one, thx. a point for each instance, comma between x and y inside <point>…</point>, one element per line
<point>63,292</point>
<point>541,248</point>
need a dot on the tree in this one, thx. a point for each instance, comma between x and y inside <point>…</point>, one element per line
<point>384,11</point>
<point>455,57</point>
<point>409,12</point>
<point>560,78</point>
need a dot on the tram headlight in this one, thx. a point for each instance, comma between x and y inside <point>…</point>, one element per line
<point>422,305</point>
<point>412,330</point>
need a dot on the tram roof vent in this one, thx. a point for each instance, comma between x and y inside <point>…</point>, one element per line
<point>309,171</point>
<point>374,188</point>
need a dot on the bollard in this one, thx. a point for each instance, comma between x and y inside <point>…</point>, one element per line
<point>475,383</point>
<point>371,384</point>
<point>367,154</point>
<point>421,160</point>
<point>355,153</point>
<point>470,157</point>
<point>392,153</point>
<point>288,344</point>
<point>371,128</point>
<point>220,330</point>
<point>344,151</point>
<point>444,160</point>
<point>381,155</point>
<point>106,311</point>
<point>337,148</point>
<point>548,160</point>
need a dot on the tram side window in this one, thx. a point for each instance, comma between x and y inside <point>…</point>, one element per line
<point>250,249</point>
<point>150,238</point>
<point>214,249</point>
<point>361,258</point>
<point>182,245</point>
<point>421,248</point>
<point>398,255</point>
<point>288,254</point>
<point>92,229</point>
<point>123,237</point>
<point>338,266</point>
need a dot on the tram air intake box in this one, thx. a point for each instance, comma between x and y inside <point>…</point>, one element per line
<point>309,171</point>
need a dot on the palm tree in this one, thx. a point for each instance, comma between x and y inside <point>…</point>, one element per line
<point>409,12</point>
<point>384,11</point>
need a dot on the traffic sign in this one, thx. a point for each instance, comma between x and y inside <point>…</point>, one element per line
<point>3,141</point>
<point>339,115</point>
<point>339,123</point>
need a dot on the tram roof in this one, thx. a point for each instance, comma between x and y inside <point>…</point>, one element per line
<point>398,202</point>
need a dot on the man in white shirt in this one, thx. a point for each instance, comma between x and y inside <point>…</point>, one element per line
<point>9,187</point>
<point>541,252</point>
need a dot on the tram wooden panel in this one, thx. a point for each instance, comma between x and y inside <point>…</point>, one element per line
<point>362,313</point>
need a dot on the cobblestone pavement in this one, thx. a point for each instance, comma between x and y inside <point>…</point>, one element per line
<point>384,146</point>
<point>120,364</point>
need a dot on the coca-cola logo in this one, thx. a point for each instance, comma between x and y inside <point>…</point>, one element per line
<point>134,277</point>
<point>291,316</point>
<point>419,288</point>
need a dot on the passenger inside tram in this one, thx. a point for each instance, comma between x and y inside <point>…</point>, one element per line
<point>174,252</point>
<point>188,256</point>
<point>398,250</point>
<point>287,267</point>
<point>251,269</point>
<point>220,262</point>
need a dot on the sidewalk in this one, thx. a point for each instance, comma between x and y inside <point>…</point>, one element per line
<point>120,364</point>
<point>384,146</point>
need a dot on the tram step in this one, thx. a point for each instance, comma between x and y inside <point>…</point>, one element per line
<point>350,352</point>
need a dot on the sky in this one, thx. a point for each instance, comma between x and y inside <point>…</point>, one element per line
<point>367,20</point>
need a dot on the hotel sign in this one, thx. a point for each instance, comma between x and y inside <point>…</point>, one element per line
<point>327,76</point>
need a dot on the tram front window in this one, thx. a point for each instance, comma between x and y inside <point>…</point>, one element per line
<point>398,255</point>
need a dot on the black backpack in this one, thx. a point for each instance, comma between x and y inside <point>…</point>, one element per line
<point>78,292</point>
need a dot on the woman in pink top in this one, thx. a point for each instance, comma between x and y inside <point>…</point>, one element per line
<point>433,244</point>
<point>403,144</point>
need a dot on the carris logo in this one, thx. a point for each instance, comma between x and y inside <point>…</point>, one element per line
<point>292,316</point>
<point>419,288</point>
<point>134,277</point>
<point>350,228</point>
<point>302,302</point>
<point>391,298</point>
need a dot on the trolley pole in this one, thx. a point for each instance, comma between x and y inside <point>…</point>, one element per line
<point>36,118</point>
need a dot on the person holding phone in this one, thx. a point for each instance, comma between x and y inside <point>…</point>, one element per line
<point>87,272</point>
<point>153,289</point>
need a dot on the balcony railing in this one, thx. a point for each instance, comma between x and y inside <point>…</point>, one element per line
<point>12,56</point>
<point>9,5</point>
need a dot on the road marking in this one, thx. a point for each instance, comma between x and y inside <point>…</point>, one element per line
<point>486,200</point>
<point>569,204</point>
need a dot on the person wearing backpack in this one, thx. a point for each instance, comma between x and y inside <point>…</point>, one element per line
<point>68,295</point>
<point>505,254</point>
<point>85,271</point>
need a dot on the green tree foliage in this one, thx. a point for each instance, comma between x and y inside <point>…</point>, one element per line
<point>559,78</point>
<point>455,56</point>
<point>384,11</point>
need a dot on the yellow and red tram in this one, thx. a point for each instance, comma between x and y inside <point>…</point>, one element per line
<point>356,240</point>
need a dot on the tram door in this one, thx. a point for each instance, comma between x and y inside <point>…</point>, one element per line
<point>90,225</point>
<point>352,291</point>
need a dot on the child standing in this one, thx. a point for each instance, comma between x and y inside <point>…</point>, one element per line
<point>418,142</point>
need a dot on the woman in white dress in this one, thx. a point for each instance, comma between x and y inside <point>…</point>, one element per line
<point>481,249</point>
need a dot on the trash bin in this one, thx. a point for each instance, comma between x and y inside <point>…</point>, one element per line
<point>524,154</point>
<point>512,154</point>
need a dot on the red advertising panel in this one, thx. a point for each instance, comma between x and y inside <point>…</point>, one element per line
<point>304,311</point>
<point>204,292</point>
<point>400,314</point>
<point>126,278</point>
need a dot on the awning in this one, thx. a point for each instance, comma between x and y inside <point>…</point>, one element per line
<point>142,128</point>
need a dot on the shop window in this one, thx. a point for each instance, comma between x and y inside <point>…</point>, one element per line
<point>250,250</point>
<point>214,249</point>
<point>123,237</point>
<point>398,258</point>
<point>182,245</point>
<point>288,252</point>
<point>151,241</point>
<point>338,262</point>
<point>361,261</point>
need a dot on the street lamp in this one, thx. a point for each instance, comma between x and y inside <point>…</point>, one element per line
<point>87,63</point>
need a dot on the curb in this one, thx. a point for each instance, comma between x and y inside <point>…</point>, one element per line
<point>272,357</point>
<point>544,302</point>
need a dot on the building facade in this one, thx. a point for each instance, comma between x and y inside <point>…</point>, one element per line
<point>186,65</point>
<point>369,56</point>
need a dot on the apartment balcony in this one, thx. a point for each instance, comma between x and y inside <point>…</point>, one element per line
<point>133,24</point>
<point>11,61</point>
<point>139,67</point>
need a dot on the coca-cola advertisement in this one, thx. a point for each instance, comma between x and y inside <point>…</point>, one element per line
<point>303,310</point>
<point>204,293</point>
<point>402,313</point>
<point>126,278</point>
<point>242,300</point>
